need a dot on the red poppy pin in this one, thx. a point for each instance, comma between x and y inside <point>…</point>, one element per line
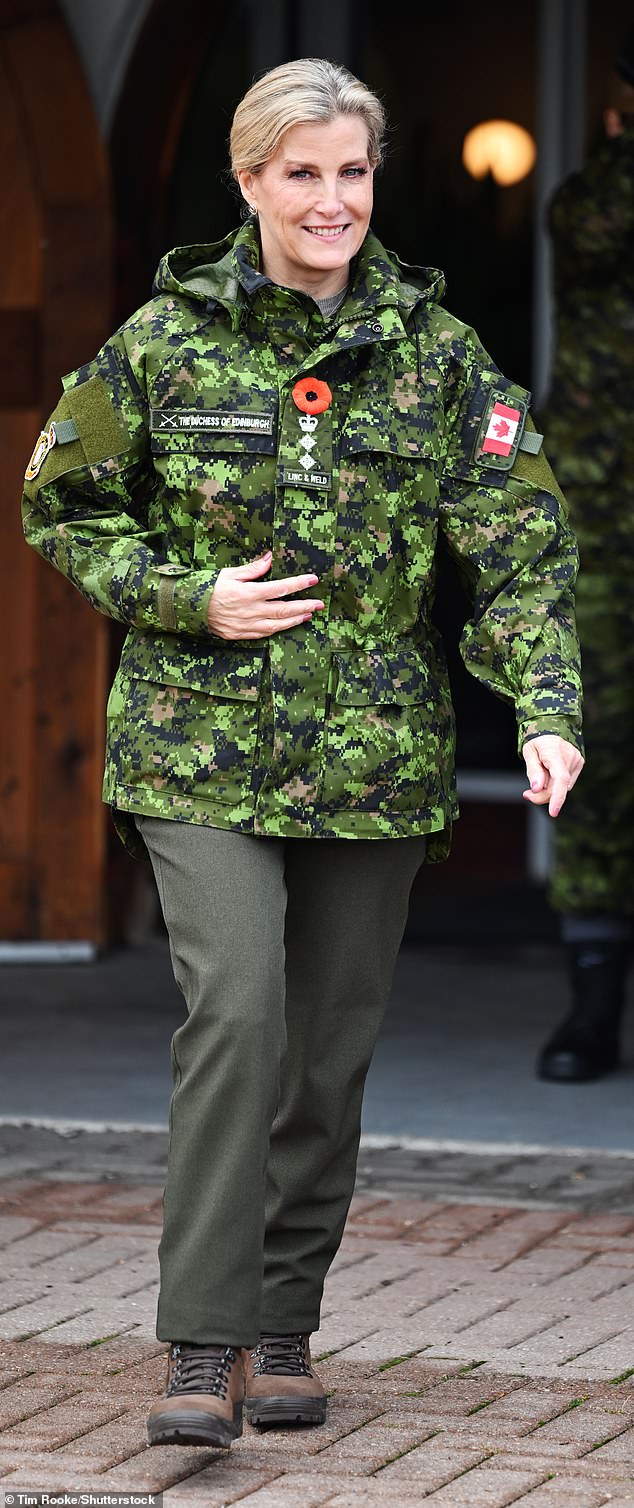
<point>312,396</point>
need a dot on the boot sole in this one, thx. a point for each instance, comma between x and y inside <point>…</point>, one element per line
<point>196,1428</point>
<point>560,1070</point>
<point>264,1412</point>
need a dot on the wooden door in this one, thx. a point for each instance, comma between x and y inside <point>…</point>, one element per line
<point>55,295</point>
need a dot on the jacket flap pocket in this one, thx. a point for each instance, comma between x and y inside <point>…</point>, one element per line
<point>410,425</point>
<point>398,675</point>
<point>175,429</point>
<point>170,660</point>
<point>391,438</point>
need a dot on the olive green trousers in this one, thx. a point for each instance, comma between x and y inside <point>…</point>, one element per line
<point>284,950</point>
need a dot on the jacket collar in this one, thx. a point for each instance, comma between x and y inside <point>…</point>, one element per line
<point>376,279</point>
<point>382,295</point>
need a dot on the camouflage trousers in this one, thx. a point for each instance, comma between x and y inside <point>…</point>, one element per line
<point>284,950</point>
<point>594,835</point>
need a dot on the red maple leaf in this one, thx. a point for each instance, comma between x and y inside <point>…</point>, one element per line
<point>502,429</point>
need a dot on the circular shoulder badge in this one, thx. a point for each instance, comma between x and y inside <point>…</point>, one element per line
<point>45,443</point>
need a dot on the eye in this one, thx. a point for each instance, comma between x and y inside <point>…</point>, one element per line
<point>299,173</point>
<point>355,172</point>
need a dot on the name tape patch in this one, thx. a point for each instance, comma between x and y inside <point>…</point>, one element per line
<point>232,421</point>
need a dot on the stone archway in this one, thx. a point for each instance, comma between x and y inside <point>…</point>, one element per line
<point>55,296</point>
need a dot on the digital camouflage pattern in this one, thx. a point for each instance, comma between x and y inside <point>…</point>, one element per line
<point>589,427</point>
<point>187,459</point>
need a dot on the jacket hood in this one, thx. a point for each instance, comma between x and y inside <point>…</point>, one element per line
<point>227,272</point>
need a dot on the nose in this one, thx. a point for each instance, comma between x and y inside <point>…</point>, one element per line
<point>328,201</point>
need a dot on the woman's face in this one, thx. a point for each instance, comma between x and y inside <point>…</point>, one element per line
<point>314,201</point>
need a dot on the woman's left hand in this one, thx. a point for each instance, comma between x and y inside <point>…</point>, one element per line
<point>552,765</point>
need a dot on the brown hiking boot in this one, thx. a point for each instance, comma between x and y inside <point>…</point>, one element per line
<point>281,1387</point>
<point>203,1397</point>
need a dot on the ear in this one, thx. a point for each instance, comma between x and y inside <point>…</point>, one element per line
<point>613,122</point>
<point>247,182</point>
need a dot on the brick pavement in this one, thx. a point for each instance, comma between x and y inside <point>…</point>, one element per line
<point>601,1181</point>
<point>476,1356</point>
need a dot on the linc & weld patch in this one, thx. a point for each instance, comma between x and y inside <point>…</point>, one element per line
<point>289,476</point>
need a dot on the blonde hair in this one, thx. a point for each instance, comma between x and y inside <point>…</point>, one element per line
<point>294,94</point>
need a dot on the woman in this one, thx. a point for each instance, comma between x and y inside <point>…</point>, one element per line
<point>252,475</point>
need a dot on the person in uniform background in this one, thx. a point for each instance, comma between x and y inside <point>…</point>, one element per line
<point>589,426</point>
<point>252,475</point>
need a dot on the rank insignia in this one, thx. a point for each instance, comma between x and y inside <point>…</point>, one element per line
<point>45,443</point>
<point>312,398</point>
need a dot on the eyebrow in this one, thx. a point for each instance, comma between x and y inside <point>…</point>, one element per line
<point>297,162</point>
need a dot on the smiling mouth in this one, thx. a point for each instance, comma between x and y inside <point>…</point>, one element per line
<point>326,232</point>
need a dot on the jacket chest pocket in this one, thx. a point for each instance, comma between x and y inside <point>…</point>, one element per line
<point>389,733</point>
<point>219,479</point>
<point>387,508</point>
<point>386,469</point>
<point>185,724</point>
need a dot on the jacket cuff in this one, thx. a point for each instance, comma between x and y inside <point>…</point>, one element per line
<point>183,599</point>
<point>558,727</point>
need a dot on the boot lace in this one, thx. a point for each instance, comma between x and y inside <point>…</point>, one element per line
<point>281,1355</point>
<point>200,1369</point>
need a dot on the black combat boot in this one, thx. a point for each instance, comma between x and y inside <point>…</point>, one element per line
<point>586,1044</point>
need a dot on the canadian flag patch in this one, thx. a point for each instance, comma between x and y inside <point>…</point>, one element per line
<point>502,429</point>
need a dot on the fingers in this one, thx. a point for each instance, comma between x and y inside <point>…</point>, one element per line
<point>287,615</point>
<point>283,588</point>
<point>277,625</point>
<point>256,567</point>
<point>560,788</point>
<point>553,766</point>
<point>265,590</point>
<point>265,627</point>
<point>534,768</point>
<point>538,799</point>
<point>243,606</point>
<point>256,612</point>
<point>575,770</point>
<point>553,794</point>
<point>282,611</point>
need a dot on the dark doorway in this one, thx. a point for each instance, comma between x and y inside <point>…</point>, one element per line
<point>55,285</point>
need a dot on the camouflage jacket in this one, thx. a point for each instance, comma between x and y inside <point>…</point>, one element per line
<point>179,450</point>
<point>589,420</point>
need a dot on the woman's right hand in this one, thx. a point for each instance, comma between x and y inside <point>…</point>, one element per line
<point>242,606</point>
